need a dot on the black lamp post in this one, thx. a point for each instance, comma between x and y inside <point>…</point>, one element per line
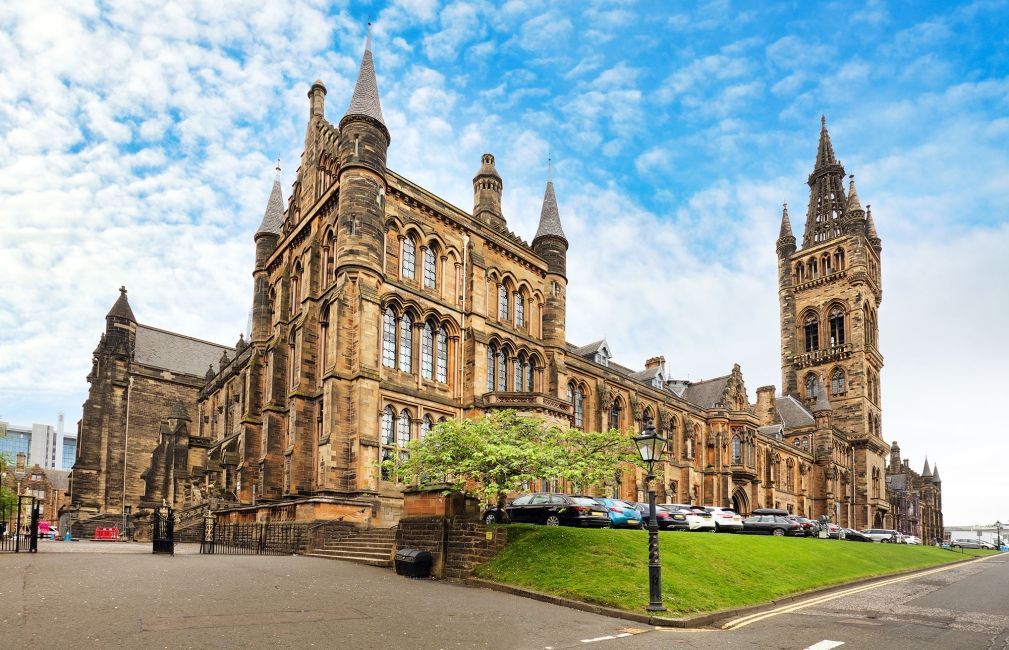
<point>998,535</point>
<point>651,445</point>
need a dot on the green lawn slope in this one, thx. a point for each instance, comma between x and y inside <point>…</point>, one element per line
<point>701,572</point>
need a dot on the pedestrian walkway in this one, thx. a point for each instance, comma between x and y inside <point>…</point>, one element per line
<point>91,546</point>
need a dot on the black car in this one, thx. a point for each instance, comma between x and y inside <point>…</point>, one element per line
<point>810,528</point>
<point>854,536</point>
<point>667,518</point>
<point>777,525</point>
<point>552,510</point>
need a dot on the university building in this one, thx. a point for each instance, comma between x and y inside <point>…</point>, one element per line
<point>380,309</point>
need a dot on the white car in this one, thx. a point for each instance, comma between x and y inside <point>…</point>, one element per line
<point>912,539</point>
<point>698,518</point>
<point>726,521</point>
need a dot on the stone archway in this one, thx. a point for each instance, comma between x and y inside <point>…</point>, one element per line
<point>740,501</point>
<point>878,519</point>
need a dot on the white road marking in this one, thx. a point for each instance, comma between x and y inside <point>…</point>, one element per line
<point>607,638</point>
<point>826,644</point>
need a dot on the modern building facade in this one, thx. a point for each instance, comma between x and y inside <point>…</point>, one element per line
<point>380,309</point>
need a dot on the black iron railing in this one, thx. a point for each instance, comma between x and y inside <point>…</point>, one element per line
<point>252,539</point>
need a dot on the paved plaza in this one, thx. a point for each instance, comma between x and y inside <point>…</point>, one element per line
<point>112,595</point>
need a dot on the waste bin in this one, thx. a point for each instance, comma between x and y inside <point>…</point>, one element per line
<point>413,563</point>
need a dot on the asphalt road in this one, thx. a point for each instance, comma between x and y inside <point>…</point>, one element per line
<point>89,595</point>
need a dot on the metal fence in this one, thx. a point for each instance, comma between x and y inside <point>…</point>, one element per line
<point>19,525</point>
<point>251,539</point>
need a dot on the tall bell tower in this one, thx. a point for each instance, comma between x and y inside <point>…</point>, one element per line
<point>829,292</point>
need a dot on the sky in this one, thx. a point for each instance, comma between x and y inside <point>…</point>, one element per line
<point>138,141</point>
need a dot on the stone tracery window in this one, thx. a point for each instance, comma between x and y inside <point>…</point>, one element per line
<point>520,310</point>
<point>491,360</point>
<point>811,330</point>
<point>502,371</point>
<point>810,386</point>
<point>406,344</point>
<point>427,352</point>
<point>442,368</point>
<point>388,439</point>
<point>837,382</point>
<point>389,338</point>
<point>502,302</point>
<point>836,322</point>
<point>408,265</point>
<point>430,269</point>
<point>737,453</point>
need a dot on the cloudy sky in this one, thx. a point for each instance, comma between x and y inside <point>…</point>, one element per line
<point>137,142</point>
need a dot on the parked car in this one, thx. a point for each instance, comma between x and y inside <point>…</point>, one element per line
<point>833,530</point>
<point>855,536</point>
<point>883,535</point>
<point>968,542</point>
<point>810,528</point>
<point>698,519</point>
<point>777,525</point>
<point>912,539</point>
<point>667,518</point>
<point>726,521</point>
<point>622,514</point>
<point>552,510</point>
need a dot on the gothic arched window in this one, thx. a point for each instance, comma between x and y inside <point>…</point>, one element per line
<point>811,329</point>
<point>530,381</point>
<point>837,382</point>
<point>389,338</point>
<point>388,438</point>
<point>520,310</point>
<point>518,372</point>
<point>836,321</point>
<point>502,302</point>
<point>408,265</point>
<point>403,429</point>
<point>737,452</point>
<point>427,352</point>
<point>615,415</point>
<point>579,408</point>
<point>430,269</point>
<point>425,426</point>
<point>502,371</point>
<point>491,358</point>
<point>442,355</point>
<point>810,386</point>
<point>406,344</point>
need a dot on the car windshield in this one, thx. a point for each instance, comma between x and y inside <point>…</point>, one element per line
<point>622,504</point>
<point>584,501</point>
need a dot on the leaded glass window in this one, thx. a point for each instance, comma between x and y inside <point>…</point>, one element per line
<point>443,355</point>
<point>406,344</point>
<point>519,369</point>
<point>836,321</point>
<point>403,429</point>
<point>502,371</point>
<point>389,339</point>
<point>430,269</point>
<point>502,302</point>
<point>491,357</point>
<point>811,328</point>
<point>520,310</point>
<point>529,375</point>
<point>408,266</point>
<point>425,426</point>
<point>579,408</point>
<point>427,352</point>
<point>837,382</point>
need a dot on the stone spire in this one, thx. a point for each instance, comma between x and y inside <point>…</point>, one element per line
<point>273,218</point>
<point>935,475</point>
<point>854,206</point>
<point>365,100</point>
<point>550,218</point>
<point>870,231</point>
<point>121,309</point>
<point>822,403</point>
<point>827,203</point>
<point>926,473</point>
<point>786,240</point>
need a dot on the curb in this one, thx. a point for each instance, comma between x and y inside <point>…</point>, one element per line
<point>700,620</point>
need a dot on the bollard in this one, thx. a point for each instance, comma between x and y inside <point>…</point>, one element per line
<point>67,538</point>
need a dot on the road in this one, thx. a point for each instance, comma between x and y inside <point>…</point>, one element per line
<point>119,595</point>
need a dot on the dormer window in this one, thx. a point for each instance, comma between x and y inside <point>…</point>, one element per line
<point>658,381</point>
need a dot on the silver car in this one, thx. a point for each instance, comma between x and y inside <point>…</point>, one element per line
<point>884,535</point>
<point>968,542</point>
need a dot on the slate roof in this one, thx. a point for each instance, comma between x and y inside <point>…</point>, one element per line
<point>273,218</point>
<point>896,482</point>
<point>793,413</point>
<point>550,218</point>
<point>588,350</point>
<point>771,431</point>
<point>365,100</point>
<point>175,352</point>
<point>647,375</point>
<point>706,393</point>
<point>122,307</point>
<point>59,478</point>
<point>935,474</point>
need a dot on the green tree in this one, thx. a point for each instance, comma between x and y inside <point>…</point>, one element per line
<point>503,452</point>
<point>8,500</point>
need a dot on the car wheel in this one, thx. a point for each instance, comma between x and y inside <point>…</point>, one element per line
<point>778,532</point>
<point>490,518</point>
<point>885,541</point>
<point>955,546</point>
<point>552,520</point>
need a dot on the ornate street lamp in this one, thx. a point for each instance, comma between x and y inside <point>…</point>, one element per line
<point>651,446</point>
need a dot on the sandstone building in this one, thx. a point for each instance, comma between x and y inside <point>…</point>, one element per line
<point>379,310</point>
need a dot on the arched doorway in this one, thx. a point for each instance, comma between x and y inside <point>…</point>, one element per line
<point>740,502</point>
<point>878,519</point>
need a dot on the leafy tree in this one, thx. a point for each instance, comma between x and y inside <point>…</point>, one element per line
<point>503,452</point>
<point>8,500</point>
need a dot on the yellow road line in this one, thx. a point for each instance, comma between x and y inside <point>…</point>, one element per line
<point>787,609</point>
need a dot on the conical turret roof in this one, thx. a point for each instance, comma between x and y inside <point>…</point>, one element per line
<point>273,218</point>
<point>822,403</point>
<point>786,226</point>
<point>550,218</point>
<point>827,203</point>
<point>854,205</point>
<point>365,100</point>
<point>935,475</point>
<point>824,150</point>
<point>122,307</point>
<point>926,473</point>
<point>870,227</point>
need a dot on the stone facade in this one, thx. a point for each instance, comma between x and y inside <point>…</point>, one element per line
<point>915,499</point>
<point>379,310</point>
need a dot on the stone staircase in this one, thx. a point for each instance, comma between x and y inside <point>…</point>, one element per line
<point>374,547</point>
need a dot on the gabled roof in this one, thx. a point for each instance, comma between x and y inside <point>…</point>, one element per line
<point>708,393</point>
<point>647,375</point>
<point>793,413</point>
<point>175,352</point>
<point>771,431</point>
<point>591,349</point>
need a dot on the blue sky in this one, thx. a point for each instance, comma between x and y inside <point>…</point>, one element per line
<point>137,144</point>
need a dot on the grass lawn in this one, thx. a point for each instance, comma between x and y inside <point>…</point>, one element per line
<point>701,572</point>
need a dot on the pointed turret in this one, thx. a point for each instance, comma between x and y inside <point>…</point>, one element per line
<point>827,203</point>
<point>120,327</point>
<point>870,231</point>
<point>935,475</point>
<point>266,238</point>
<point>822,403</point>
<point>550,218</point>
<point>854,206</point>
<point>273,217</point>
<point>121,308</point>
<point>487,188</point>
<point>365,101</point>
<point>926,473</point>
<point>786,240</point>
<point>894,456</point>
<point>551,245</point>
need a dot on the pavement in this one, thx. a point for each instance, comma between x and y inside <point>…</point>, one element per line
<point>118,595</point>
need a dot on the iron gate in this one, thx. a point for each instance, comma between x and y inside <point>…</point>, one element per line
<point>251,539</point>
<point>19,524</point>
<point>163,530</point>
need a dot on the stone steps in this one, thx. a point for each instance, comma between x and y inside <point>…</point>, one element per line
<point>371,547</point>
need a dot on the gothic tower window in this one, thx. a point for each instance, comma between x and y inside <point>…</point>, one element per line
<point>491,358</point>
<point>502,371</point>
<point>502,302</point>
<point>520,310</point>
<point>837,382</point>
<point>615,414</point>
<point>530,379</point>
<point>388,437</point>
<point>810,386</point>
<point>296,289</point>
<point>518,372</point>
<point>812,269</point>
<point>825,264</point>
<point>406,344</point>
<point>579,407</point>
<point>427,352</point>
<point>403,434</point>
<point>408,265</point>
<point>839,259</point>
<point>737,452</point>
<point>442,355</point>
<point>811,330</point>
<point>800,274</point>
<point>836,321</point>
<point>389,339</point>
<point>430,269</point>
<point>425,426</point>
